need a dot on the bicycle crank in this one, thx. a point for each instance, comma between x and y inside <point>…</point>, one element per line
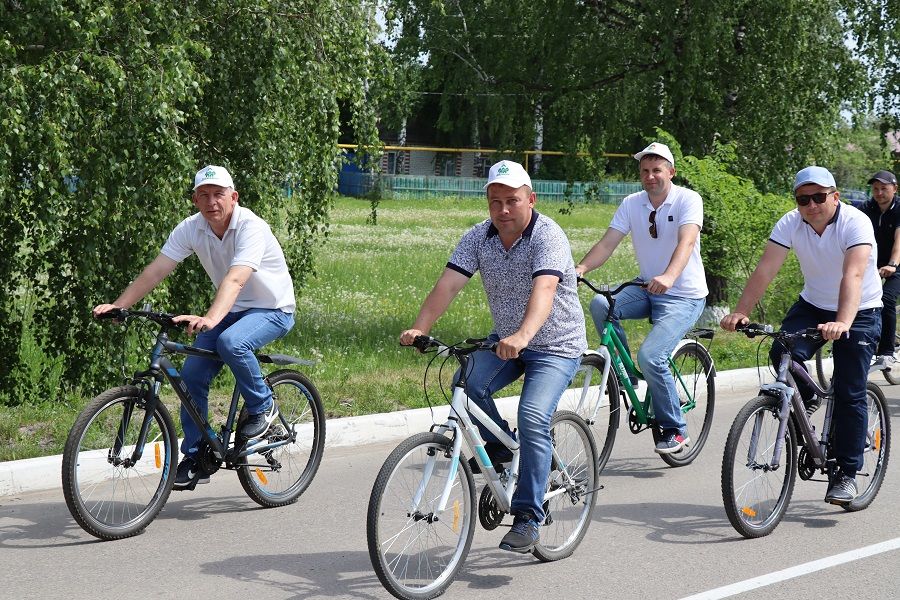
<point>489,514</point>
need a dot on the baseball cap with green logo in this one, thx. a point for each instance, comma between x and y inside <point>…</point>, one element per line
<point>508,173</point>
<point>656,149</point>
<point>213,175</point>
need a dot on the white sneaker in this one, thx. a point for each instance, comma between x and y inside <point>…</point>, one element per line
<point>883,362</point>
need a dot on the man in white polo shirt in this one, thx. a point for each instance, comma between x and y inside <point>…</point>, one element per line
<point>254,304</point>
<point>664,222</point>
<point>844,304</point>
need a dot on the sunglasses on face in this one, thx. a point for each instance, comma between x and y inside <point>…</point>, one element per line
<point>818,198</point>
<point>653,224</point>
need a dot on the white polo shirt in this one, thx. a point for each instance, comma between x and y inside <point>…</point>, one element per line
<point>681,207</point>
<point>248,241</point>
<point>821,258</point>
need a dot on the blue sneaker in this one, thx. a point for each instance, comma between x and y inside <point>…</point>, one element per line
<point>671,443</point>
<point>189,474</point>
<point>523,536</point>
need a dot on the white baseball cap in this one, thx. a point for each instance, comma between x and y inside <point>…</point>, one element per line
<point>508,173</point>
<point>213,175</point>
<point>817,175</point>
<point>656,149</point>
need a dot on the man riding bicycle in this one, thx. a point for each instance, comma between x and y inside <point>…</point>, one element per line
<point>668,254</point>
<point>254,305</point>
<point>844,304</point>
<point>529,277</point>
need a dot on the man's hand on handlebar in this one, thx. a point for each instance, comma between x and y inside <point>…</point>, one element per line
<point>409,336</point>
<point>833,330</point>
<point>194,324</point>
<point>730,322</point>
<point>660,284</point>
<point>509,347</point>
<point>103,308</point>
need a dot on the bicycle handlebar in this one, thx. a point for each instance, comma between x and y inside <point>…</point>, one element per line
<point>604,289</point>
<point>751,330</point>
<point>425,342</point>
<point>121,314</point>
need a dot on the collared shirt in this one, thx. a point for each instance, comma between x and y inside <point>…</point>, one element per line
<point>507,276</point>
<point>885,225</point>
<point>821,258</point>
<point>248,241</point>
<point>681,207</point>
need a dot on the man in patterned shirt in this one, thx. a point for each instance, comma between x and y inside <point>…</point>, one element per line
<point>529,277</point>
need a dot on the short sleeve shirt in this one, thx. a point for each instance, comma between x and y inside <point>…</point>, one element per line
<point>248,241</point>
<point>681,207</point>
<point>507,275</point>
<point>885,225</point>
<point>821,257</point>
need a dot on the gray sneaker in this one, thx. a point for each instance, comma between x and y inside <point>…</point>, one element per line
<point>883,362</point>
<point>841,490</point>
<point>258,424</point>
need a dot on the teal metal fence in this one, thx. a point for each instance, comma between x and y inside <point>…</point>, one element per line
<point>415,187</point>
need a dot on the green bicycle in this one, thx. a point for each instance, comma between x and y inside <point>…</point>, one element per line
<point>598,397</point>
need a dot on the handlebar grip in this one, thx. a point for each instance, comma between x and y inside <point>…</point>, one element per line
<point>116,313</point>
<point>422,342</point>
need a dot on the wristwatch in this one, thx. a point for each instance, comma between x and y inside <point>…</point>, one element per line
<point>891,264</point>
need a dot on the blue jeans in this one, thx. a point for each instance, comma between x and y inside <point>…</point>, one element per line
<point>852,355</point>
<point>546,378</point>
<point>672,317</point>
<point>235,338</point>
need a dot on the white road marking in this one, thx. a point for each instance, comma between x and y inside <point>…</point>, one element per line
<point>792,572</point>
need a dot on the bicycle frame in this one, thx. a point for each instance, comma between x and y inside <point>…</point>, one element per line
<point>461,427</point>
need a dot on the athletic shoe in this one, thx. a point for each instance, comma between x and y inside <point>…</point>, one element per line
<point>841,490</point>
<point>883,362</point>
<point>523,536</point>
<point>672,443</point>
<point>189,474</point>
<point>258,424</point>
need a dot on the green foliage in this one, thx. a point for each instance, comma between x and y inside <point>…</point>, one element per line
<point>738,219</point>
<point>767,76</point>
<point>873,27</point>
<point>860,151</point>
<point>107,108</point>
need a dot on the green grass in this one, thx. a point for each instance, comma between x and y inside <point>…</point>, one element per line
<point>370,282</point>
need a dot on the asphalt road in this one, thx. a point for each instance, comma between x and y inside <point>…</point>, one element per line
<point>658,533</point>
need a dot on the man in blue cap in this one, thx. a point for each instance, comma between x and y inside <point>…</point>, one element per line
<point>844,304</point>
<point>883,210</point>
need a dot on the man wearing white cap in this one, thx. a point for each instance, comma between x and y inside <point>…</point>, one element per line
<point>254,304</point>
<point>844,304</point>
<point>528,275</point>
<point>664,222</point>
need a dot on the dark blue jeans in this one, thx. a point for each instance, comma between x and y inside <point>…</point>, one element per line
<point>889,314</point>
<point>852,356</point>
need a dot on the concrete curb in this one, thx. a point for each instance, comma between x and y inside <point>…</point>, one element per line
<point>43,473</point>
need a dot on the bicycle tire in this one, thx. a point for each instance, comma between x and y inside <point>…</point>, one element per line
<point>745,488</point>
<point>877,451</point>
<point>110,498</point>
<point>892,375</point>
<point>698,376</point>
<point>291,467</point>
<point>824,382</point>
<point>569,513</point>
<point>584,397</point>
<point>415,555</point>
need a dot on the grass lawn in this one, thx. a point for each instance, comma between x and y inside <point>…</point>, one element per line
<point>370,282</point>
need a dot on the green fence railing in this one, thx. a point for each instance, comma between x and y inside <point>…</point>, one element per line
<point>421,186</point>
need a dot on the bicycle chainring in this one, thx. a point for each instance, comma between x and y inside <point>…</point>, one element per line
<point>489,514</point>
<point>805,466</point>
<point>206,459</point>
<point>633,425</point>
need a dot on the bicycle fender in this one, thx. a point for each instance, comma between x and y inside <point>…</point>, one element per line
<point>284,359</point>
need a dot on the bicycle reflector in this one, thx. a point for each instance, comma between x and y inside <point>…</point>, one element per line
<point>156,455</point>
<point>748,511</point>
<point>262,476</point>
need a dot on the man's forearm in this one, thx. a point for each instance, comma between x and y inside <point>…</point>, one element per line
<point>538,309</point>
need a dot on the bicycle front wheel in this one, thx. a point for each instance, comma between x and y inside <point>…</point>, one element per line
<point>571,489</point>
<point>109,493</point>
<point>695,382</point>
<point>416,546</point>
<point>279,476</point>
<point>877,451</point>
<point>600,408</point>
<point>756,495</point>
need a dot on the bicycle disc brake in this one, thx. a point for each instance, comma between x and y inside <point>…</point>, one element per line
<point>489,514</point>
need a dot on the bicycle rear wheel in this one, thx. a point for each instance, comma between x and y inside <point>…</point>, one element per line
<point>695,382</point>
<point>600,408</point>
<point>877,451</point>
<point>108,494</point>
<point>892,375</point>
<point>415,549</point>
<point>756,496</point>
<point>572,487</point>
<point>279,476</point>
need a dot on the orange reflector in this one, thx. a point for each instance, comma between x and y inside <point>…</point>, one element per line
<point>261,476</point>
<point>748,511</point>
<point>877,440</point>
<point>455,515</point>
<point>157,455</point>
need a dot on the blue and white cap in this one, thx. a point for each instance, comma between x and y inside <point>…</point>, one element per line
<point>817,175</point>
<point>213,175</point>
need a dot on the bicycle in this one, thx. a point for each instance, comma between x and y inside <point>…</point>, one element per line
<point>891,375</point>
<point>604,377</point>
<point>421,514</point>
<point>761,462</point>
<point>120,457</point>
